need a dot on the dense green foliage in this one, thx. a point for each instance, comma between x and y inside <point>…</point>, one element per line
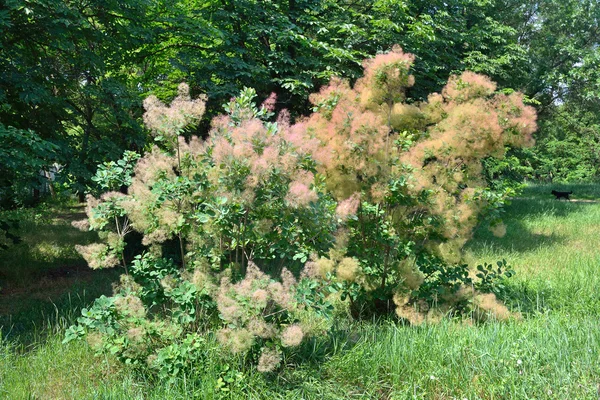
<point>561,74</point>
<point>76,74</point>
<point>25,161</point>
<point>67,74</point>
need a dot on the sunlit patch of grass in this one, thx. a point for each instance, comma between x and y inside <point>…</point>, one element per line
<point>47,241</point>
<point>550,356</point>
<point>45,251</point>
<point>554,247</point>
<point>57,371</point>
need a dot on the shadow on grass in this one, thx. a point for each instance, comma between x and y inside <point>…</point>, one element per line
<point>535,220</point>
<point>47,242</point>
<point>521,297</point>
<point>44,282</point>
<point>519,237</point>
<point>26,317</point>
<point>530,208</point>
<point>312,354</point>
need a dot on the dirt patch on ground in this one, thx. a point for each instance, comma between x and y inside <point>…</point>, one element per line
<point>48,286</point>
<point>50,280</point>
<point>44,267</point>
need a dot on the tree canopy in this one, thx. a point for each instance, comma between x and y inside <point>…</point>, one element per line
<point>76,73</point>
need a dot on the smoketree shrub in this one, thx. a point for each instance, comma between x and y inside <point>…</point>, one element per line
<point>252,234</point>
<point>411,176</point>
<point>244,209</point>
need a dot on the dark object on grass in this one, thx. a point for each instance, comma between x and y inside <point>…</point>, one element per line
<point>562,194</point>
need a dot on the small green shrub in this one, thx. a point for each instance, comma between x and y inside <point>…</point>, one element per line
<point>492,278</point>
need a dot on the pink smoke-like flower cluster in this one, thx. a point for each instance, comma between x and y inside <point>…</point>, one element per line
<point>170,120</point>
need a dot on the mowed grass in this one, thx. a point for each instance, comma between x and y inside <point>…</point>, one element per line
<point>554,246</point>
<point>551,352</point>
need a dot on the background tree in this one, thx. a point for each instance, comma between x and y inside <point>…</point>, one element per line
<point>561,75</point>
<point>76,73</point>
<point>67,75</point>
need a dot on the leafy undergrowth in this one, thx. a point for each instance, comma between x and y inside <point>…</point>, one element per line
<point>552,352</point>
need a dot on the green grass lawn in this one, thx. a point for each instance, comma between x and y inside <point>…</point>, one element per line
<point>551,352</point>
